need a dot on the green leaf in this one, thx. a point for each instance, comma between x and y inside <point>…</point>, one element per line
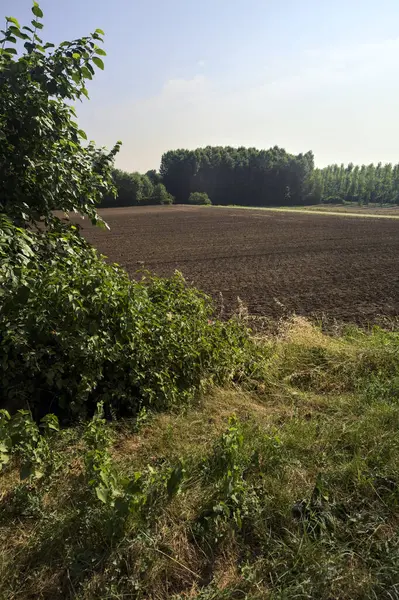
<point>15,31</point>
<point>76,55</point>
<point>82,134</point>
<point>102,494</point>
<point>100,223</point>
<point>86,73</point>
<point>37,24</point>
<point>97,61</point>
<point>100,31</point>
<point>10,50</point>
<point>37,11</point>
<point>174,480</point>
<point>100,51</point>
<point>13,20</point>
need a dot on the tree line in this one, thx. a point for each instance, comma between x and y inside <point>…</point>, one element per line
<point>251,177</point>
<point>362,184</point>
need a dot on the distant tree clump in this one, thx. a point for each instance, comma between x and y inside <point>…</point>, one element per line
<point>245,176</point>
<point>199,198</point>
<point>160,195</point>
<point>134,189</point>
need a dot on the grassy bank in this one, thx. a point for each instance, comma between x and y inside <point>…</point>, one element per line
<point>284,488</point>
<point>374,211</point>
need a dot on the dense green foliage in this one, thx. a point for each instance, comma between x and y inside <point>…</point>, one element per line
<point>43,163</point>
<point>364,185</point>
<point>199,198</point>
<point>243,176</point>
<point>76,330</point>
<point>288,491</point>
<point>134,189</point>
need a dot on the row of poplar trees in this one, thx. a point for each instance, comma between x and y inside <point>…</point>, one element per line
<point>365,184</point>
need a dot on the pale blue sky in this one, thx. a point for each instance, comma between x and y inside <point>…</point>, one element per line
<point>303,74</point>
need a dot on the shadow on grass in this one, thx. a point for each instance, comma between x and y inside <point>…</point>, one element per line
<point>67,545</point>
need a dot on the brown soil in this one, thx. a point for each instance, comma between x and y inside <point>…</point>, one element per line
<point>276,263</point>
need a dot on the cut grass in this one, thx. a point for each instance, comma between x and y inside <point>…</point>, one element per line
<point>295,497</point>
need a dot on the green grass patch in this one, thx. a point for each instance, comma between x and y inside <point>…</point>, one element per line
<point>284,487</point>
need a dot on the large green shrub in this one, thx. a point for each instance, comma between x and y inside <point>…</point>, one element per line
<point>75,330</point>
<point>200,198</point>
<point>161,195</point>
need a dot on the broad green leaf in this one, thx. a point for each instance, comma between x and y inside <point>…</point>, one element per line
<point>86,73</point>
<point>82,134</point>
<point>97,61</point>
<point>102,494</point>
<point>37,24</point>
<point>15,31</point>
<point>100,51</point>
<point>13,20</point>
<point>100,31</point>
<point>37,10</point>
<point>10,50</point>
<point>76,55</point>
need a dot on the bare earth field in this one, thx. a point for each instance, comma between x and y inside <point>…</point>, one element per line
<point>276,262</point>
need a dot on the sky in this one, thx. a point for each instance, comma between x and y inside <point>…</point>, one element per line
<point>320,75</point>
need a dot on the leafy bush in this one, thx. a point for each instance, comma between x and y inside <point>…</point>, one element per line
<point>21,436</point>
<point>76,330</point>
<point>161,195</point>
<point>200,198</point>
<point>44,164</point>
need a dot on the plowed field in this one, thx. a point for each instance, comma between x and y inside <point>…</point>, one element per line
<point>278,263</point>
